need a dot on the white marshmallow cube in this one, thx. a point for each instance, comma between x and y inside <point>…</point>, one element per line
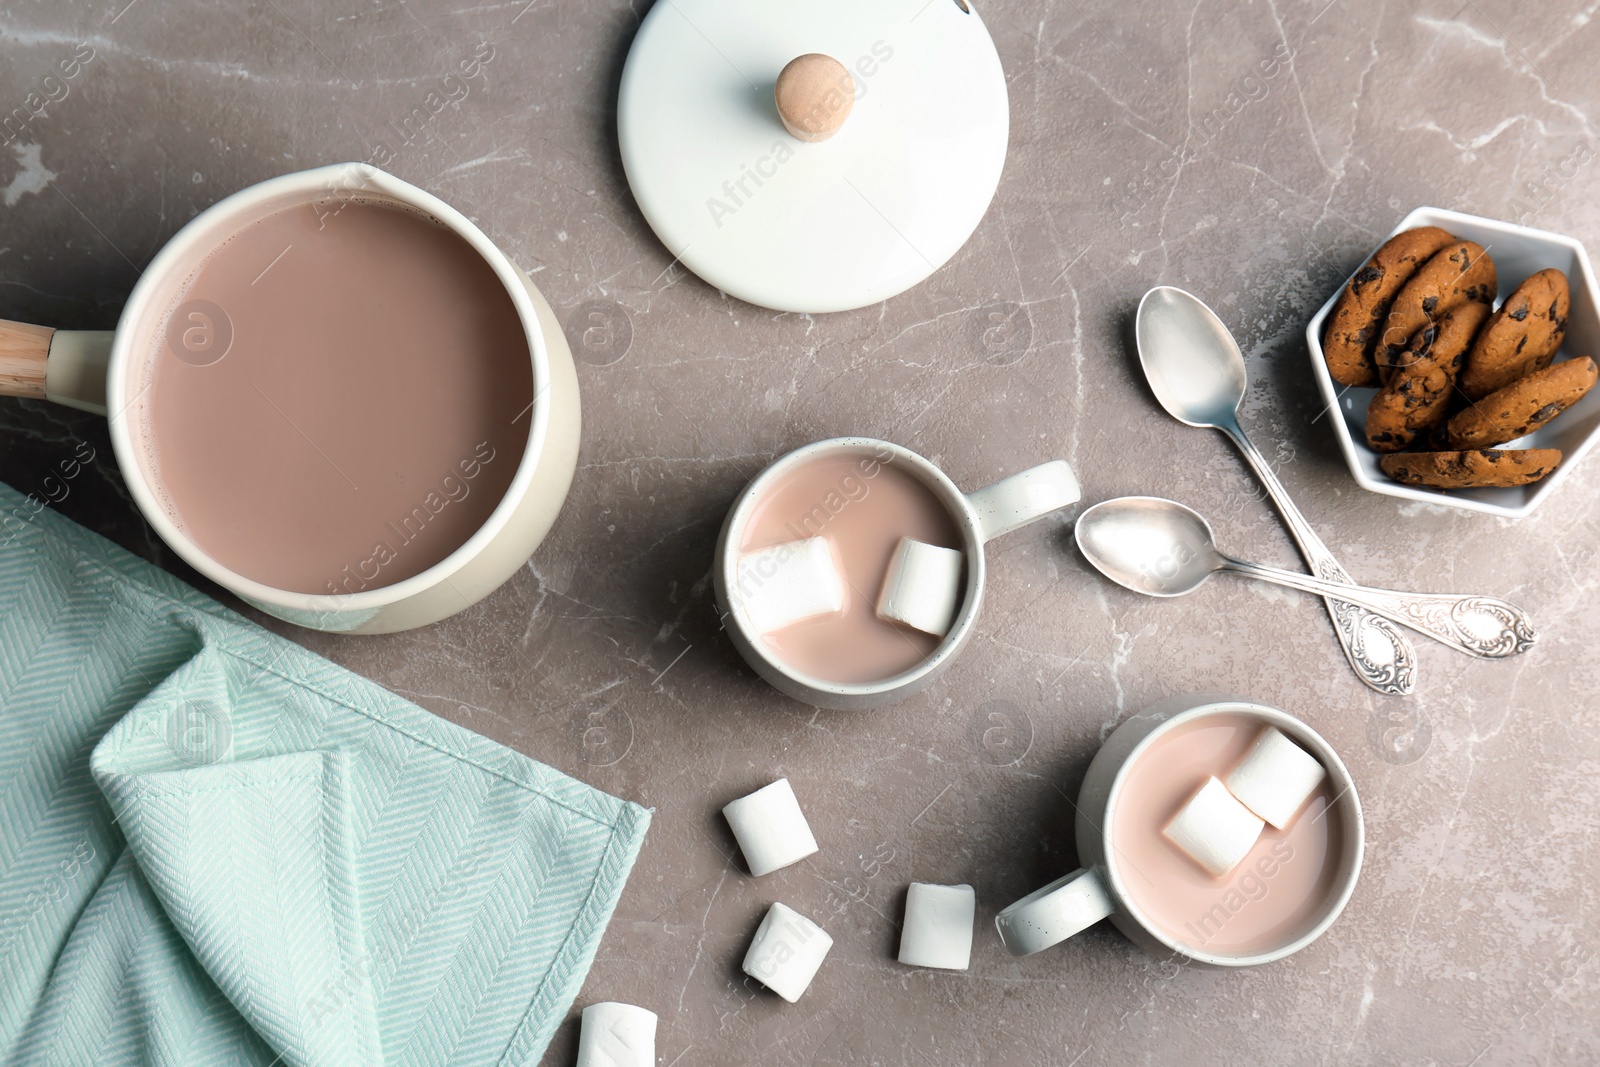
<point>788,583</point>
<point>938,926</point>
<point>787,950</point>
<point>1275,777</point>
<point>770,827</point>
<point>1214,828</point>
<point>923,587</point>
<point>617,1035</point>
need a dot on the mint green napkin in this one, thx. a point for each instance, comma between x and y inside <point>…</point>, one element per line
<point>218,848</point>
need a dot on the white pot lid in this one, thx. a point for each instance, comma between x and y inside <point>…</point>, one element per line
<point>813,227</point>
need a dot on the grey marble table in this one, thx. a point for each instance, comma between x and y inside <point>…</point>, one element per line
<point>1148,146</point>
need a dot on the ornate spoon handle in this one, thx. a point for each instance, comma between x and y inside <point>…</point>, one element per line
<point>1477,625</point>
<point>1394,673</point>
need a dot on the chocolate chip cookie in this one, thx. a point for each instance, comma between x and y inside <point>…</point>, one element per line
<point>1417,395</point>
<point>1524,405</point>
<point>1523,336</point>
<point>1457,274</point>
<point>1484,468</point>
<point>1352,328</point>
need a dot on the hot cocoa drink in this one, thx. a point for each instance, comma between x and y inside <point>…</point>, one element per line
<point>862,507</point>
<point>1281,888</point>
<point>338,398</point>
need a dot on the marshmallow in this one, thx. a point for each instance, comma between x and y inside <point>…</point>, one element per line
<point>1214,829</point>
<point>784,584</point>
<point>770,827</point>
<point>1275,777</point>
<point>786,952</point>
<point>617,1035</point>
<point>938,927</point>
<point>923,587</point>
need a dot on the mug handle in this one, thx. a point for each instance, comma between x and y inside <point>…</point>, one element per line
<point>1025,497</point>
<point>1050,915</point>
<point>66,366</point>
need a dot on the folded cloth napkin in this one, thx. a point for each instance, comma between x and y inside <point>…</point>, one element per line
<point>217,848</point>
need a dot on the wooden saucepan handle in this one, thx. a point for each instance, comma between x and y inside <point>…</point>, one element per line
<point>23,352</point>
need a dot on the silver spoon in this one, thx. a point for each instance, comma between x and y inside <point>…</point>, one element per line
<point>1161,548</point>
<point>1197,372</point>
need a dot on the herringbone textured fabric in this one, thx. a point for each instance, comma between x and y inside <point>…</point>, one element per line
<point>217,848</point>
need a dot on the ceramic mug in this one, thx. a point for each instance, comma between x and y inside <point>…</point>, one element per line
<point>980,517</point>
<point>1098,891</point>
<point>100,372</point>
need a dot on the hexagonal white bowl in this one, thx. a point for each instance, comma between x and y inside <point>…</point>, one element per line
<point>1518,251</point>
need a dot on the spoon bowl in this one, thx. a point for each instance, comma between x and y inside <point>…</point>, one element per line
<point>1191,361</point>
<point>1147,544</point>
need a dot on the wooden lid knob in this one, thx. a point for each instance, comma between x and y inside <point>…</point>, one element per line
<point>815,93</point>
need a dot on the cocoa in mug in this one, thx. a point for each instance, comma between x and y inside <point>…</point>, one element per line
<point>863,505</point>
